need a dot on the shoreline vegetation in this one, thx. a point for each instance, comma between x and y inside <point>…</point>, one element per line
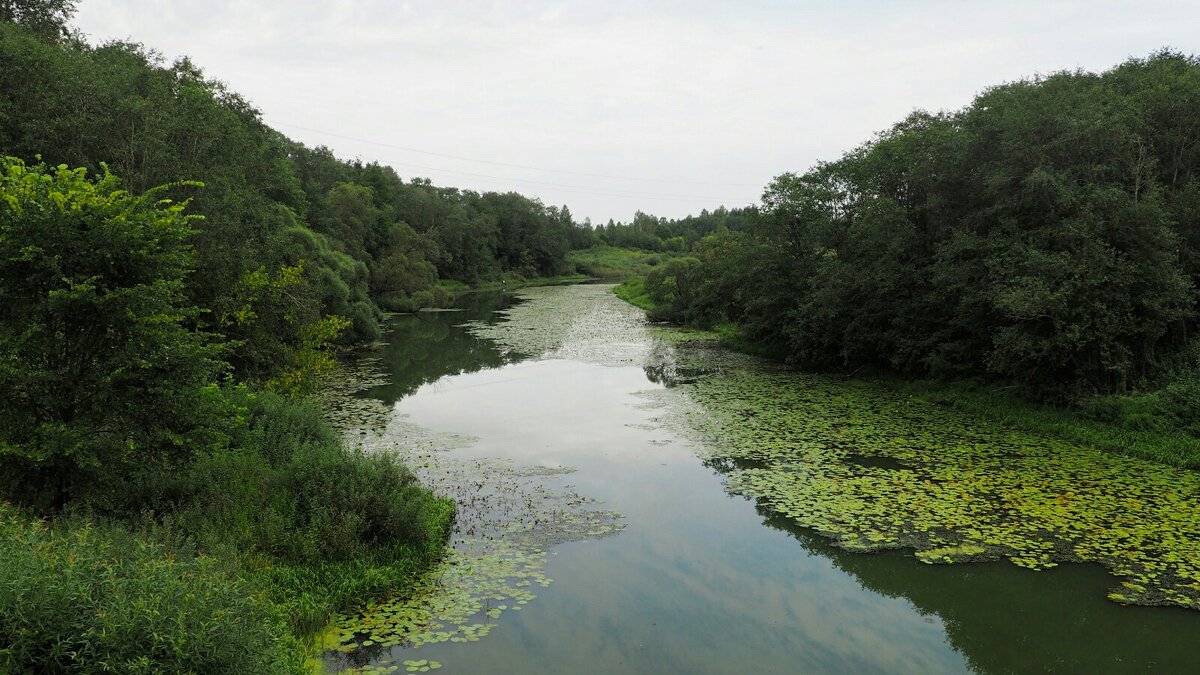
<point>1128,424</point>
<point>178,279</point>
<point>1033,256</point>
<point>172,499</point>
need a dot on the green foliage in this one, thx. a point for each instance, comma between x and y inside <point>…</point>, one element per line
<point>1044,235</point>
<point>362,236</point>
<point>1137,425</point>
<point>287,488</point>
<point>671,288</point>
<point>110,405</point>
<point>874,467</point>
<point>98,373</point>
<point>633,291</point>
<point>78,597</point>
<point>648,233</point>
<point>609,262</point>
<point>44,18</point>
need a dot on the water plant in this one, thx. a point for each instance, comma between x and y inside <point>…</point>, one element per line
<point>507,517</point>
<point>952,487</point>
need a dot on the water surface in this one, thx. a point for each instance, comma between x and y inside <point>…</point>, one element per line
<point>703,582</point>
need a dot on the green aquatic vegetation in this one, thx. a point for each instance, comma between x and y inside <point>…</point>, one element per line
<point>507,517</point>
<point>673,335</point>
<point>344,408</point>
<point>874,469</point>
<point>457,601</point>
<point>585,323</point>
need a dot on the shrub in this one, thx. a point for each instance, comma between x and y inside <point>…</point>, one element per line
<point>98,372</point>
<point>294,492</point>
<point>80,597</point>
<point>364,323</point>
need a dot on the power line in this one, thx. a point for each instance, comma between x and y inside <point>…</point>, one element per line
<point>578,189</point>
<point>514,166</point>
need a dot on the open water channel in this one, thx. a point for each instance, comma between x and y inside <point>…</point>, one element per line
<point>687,578</point>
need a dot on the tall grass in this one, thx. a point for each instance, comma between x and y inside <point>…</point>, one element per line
<point>239,556</point>
<point>608,262</point>
<point>80,597</point>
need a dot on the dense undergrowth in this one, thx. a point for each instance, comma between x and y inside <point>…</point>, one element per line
<point>232,564</point>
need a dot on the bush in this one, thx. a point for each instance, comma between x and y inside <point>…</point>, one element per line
<point>80,597</point>
<point>364,323</point>
<point>293,492</point>
<point>99,372</point>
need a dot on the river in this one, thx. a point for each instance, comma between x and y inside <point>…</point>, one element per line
<point>656,567</point>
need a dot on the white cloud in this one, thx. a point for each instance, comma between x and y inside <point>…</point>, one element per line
<point>705,100</point>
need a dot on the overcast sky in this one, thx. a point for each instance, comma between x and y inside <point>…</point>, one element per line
<point>610,107</point>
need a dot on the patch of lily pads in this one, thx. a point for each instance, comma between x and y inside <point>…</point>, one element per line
<point>581,322</point>
<point>874,469</point>
<point>340,398</point>
<point>507,517</point>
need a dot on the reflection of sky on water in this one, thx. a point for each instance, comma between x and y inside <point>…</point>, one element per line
<point>697,583</point>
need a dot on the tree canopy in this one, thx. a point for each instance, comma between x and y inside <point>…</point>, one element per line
<point>1046,234</point>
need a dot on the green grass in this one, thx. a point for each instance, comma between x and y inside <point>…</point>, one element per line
<point>616,264</point>
<point>633,291</point>
<point>1155,440</point>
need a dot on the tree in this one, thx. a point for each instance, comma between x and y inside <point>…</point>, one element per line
<point>47,18</point>
<point>99,377</point>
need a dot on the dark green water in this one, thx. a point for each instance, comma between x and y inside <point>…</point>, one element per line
<point>702,582</point>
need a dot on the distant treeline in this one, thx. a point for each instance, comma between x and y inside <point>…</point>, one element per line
<point>290,234</point>
<point>649,233</point>
<point>1048,234</point>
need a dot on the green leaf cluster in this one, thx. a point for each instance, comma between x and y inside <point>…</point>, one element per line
<point>1045,235</point>
<point>99,375</point>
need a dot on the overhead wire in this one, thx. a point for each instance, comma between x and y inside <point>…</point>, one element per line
<point>578,188</point>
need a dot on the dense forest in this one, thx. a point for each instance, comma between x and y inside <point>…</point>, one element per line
<point>353,238</point>
<point>176,276</point>
<point>1047,235</point>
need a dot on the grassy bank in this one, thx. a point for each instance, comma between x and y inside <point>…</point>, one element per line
<point>616,264</point>
<point>633,291</point>
<point>1157,424</point>
<point>233,564</point>
<point>1139,426</point>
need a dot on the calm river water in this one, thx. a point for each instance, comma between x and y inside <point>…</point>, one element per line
<point>700,581</point>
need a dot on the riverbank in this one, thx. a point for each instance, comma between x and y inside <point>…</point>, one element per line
<point>260,542</point>
<point>1135,425</point>
<point>528,406</point>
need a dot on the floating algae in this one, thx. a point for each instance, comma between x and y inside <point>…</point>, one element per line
<point>508,516</point>
<point>586,323</point>
<point>874,469</point>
